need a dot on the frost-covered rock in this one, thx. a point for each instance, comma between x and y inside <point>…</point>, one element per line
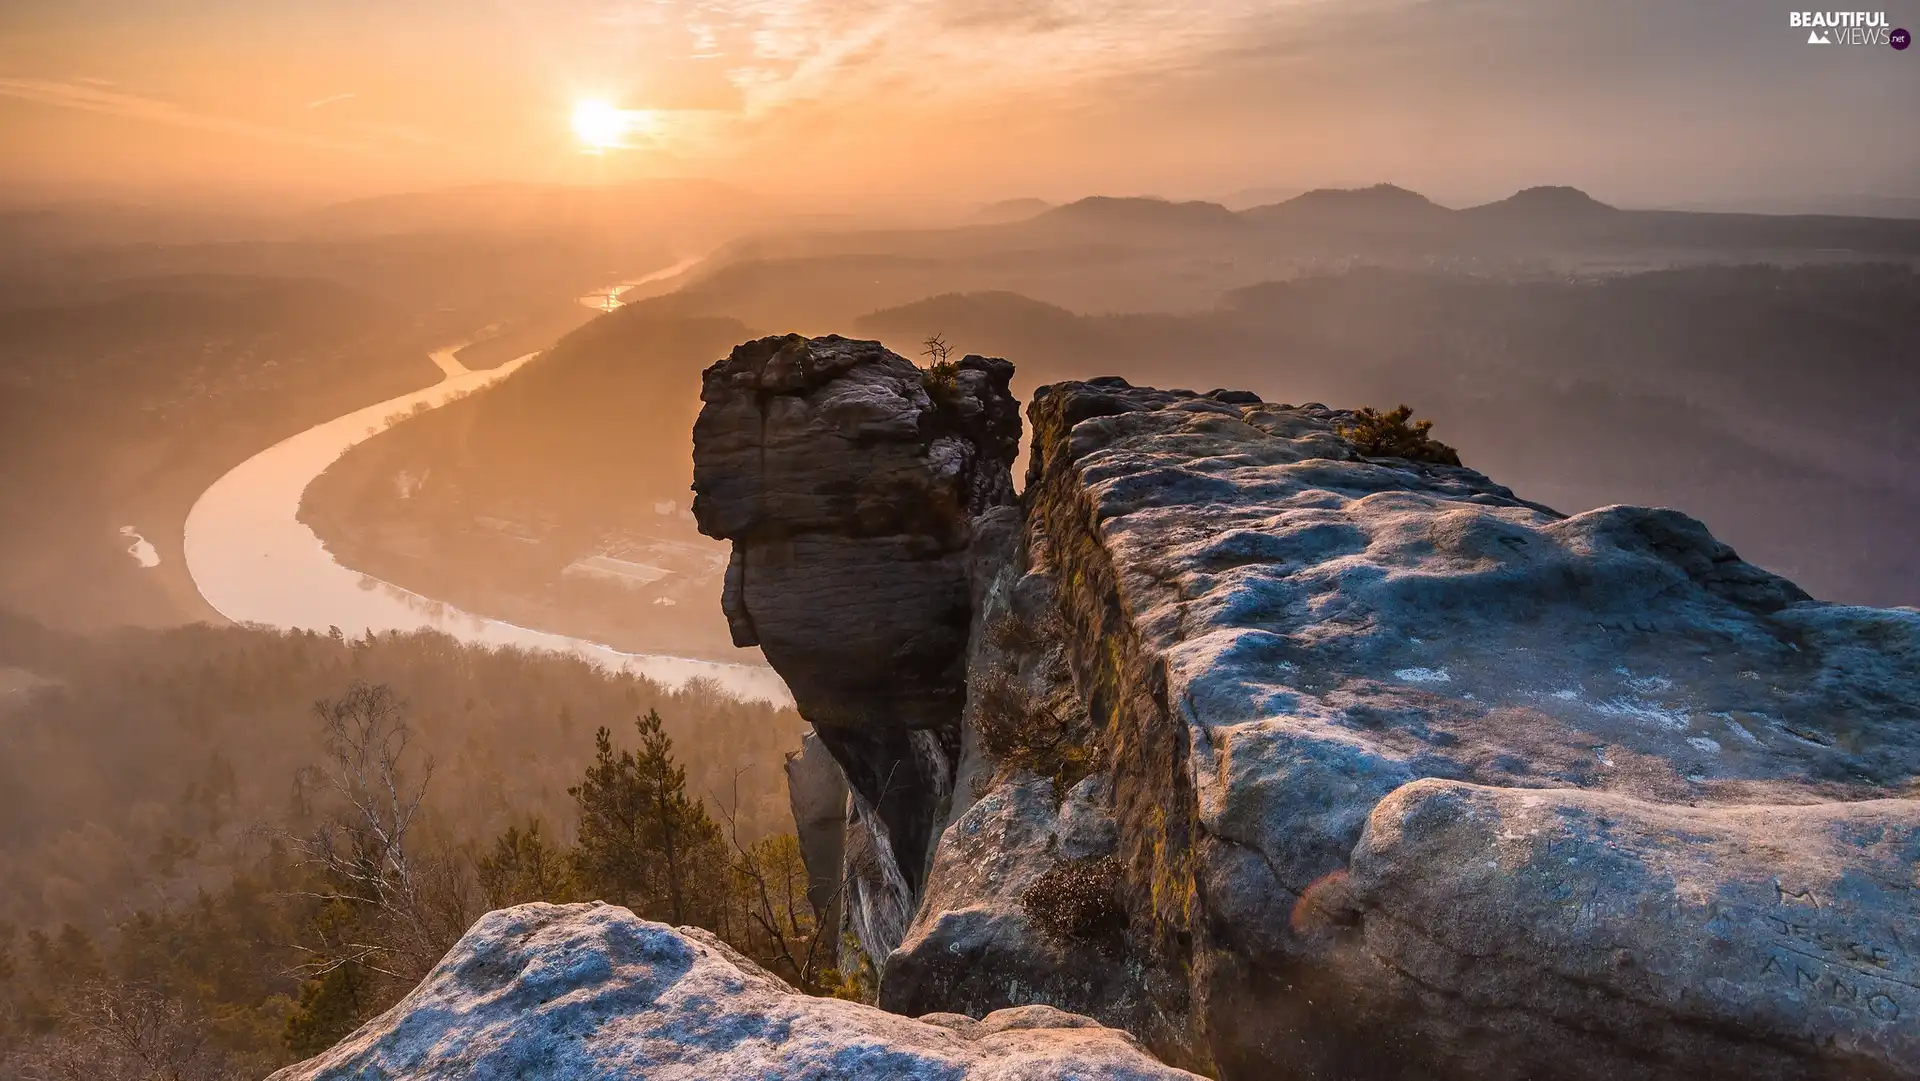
<point>577,992</point>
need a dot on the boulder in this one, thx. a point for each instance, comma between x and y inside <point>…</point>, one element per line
<point>572,992</point>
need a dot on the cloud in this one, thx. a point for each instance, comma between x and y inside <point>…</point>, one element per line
<point>328,100</point>
<point>90,97</point>
<point>796,51</point>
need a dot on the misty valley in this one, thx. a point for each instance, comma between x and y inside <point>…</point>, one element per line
<point>1030,618</point>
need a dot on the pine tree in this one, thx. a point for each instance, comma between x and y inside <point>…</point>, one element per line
<point>524,867</point>
<point>678,829</point>
<point>608,856</point>
<point>641,837</point>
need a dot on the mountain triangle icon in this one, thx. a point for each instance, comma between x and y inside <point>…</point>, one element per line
<point>1815,37</point>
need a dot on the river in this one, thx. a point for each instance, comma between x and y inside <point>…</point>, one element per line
<point>613,296</point>
<point>255,562</point>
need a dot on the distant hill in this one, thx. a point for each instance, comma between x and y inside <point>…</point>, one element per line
<point>1546,202</point>
<point>691,208</point>
<point>1142,213</point>
<point>1010,210</point>
<point>992,323</point>
<point>1381,204</point>
<point>1247,198</point>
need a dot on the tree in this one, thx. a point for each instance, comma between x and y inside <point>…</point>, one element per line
<point>394,907</point>
<point>1389,435</point>
<point>936,349</point>
<point>607,858</point>
<point>677,828</point>
<point>331,1006</point>
<point>115,1029</point>
<point>524,867</point>
<point>640,836</point>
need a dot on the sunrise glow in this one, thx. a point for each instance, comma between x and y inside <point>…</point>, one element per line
<point>600,126</point>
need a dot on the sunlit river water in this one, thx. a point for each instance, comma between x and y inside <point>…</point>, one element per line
<point>255,562</point>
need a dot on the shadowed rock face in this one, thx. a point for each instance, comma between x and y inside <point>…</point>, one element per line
<point>847,480</point>
<point>817,793</point>
<point>592,991</point>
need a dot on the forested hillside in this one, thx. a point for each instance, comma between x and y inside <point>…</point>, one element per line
<point>185,835</point>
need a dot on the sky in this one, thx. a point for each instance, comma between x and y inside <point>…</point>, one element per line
<point>1639,102</point>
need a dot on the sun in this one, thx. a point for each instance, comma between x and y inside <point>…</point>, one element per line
<point>600,126</point>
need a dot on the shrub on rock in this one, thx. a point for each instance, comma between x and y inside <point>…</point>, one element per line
<point>1390,435</point>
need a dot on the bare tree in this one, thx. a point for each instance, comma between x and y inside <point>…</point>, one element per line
<point>770,905</point>
<point>364,844</point>
<point>936,348</point>
<point>773,893</point>
<point>125,1031</point>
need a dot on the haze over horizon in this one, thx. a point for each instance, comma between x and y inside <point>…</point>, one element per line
<point>1721,104</point>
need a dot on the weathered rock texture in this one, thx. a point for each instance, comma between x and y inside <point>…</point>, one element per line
<point>573,992</point>
<point>847,480</point>
<point>1412,778</point>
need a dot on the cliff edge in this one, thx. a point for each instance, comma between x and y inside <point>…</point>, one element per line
<point>1300,763</point>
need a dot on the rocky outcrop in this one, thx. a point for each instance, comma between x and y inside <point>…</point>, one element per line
<point>1388,771</point>
<point>1413,778</point>
<point>847,480</point>
<point>592,991</point>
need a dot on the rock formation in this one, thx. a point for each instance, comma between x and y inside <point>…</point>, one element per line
<point>847,480</point>
<point>1292,762</point>
<point>569,992</point>
<point>1387,771</point>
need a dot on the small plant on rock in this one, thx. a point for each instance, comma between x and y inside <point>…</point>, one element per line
<point>1020,732</point>
<point>942,377</point>
<point>1012,728</point>
<point>1390,435</point>
<point>1077,900</point>
<point>1012,634</point>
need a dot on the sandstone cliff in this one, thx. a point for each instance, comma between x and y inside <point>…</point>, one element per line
<point>1300,764</point>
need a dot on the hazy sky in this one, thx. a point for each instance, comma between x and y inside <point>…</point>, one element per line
<point>1640,102</point>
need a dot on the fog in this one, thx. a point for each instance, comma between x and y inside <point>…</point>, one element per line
<point>358,343</point>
